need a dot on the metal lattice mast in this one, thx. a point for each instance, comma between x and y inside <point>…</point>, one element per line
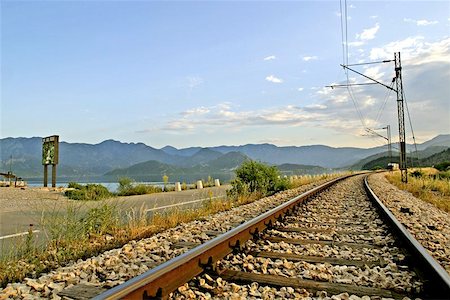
<point>401,117</point>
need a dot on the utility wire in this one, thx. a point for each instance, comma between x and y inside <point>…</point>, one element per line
<point>346,31</point>
<point>412,131</point>
<point>388,94</point>
<point>342,34</point>
<point>345,57</point>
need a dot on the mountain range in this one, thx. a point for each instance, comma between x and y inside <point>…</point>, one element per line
<point>114,158</point>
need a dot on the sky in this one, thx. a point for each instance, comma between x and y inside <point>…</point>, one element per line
<point>209,73</point>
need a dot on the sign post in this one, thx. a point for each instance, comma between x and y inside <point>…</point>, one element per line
<point>50,153</point>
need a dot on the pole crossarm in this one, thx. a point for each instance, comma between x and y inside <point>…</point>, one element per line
<point>351,84</point>
<point>371,63</point>
<point>359,73</point>
<point>376,133</point>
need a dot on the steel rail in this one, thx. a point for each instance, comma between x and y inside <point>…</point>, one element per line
<point>167,277</point>
<point>438,280</point>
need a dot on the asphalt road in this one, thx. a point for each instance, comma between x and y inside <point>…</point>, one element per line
<point>20,208</point>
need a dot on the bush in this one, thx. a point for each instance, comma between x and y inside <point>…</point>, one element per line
<point>255,177</point>
<point>88,192</point>
<point>417,174</point>
<point>126,188</point>
<point>443,166</point>
<point>74,185</point>
<point>125,183</point>
<point>444,175</point>
<point>100,220</point>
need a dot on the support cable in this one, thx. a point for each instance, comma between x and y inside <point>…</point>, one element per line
<point>345,55</point>
<point>388,94</point>
<point>342,34</point>
<point>412,131</point>
<point>346,32</point>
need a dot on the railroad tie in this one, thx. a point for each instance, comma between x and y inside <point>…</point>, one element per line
<point>319,259</point>
<point>310,285</point>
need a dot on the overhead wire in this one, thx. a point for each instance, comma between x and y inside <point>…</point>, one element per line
<point>345,57</point>
<point>383,105</point>
<point>412,130</point>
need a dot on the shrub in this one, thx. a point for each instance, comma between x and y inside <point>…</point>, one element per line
<point>74,185</point>
<point>126,188</point>
<point>255,177</point>
<point>417,173</point>
<point>443,166</point>
<point>88,192</point>
<point>100,220</point>
<point>166,181</point>
<point>125,183</point>
<point>444,175</point>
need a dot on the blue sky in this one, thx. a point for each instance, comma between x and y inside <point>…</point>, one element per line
<point>206,73</point>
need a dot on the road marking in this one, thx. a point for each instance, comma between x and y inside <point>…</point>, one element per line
<point>182,203</point>
<point>17,234</point>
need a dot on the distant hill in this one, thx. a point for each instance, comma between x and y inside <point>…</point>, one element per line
<point>203,156</point>
<point>436,158</point>
<point>294,169</point>
<point>411,161</point>
<point>227,162</point>
<point>420,154</point>
<point>151,167</point>
<point>440,140</point>
<point>222,167</point>
<point>79,160</point>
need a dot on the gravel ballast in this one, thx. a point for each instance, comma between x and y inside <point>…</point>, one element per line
<point>118,265</point>
<point>343,207</point>
<point>427,223</point>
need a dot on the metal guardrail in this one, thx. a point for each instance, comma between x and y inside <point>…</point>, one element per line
<point>438,280</point>
<point>167,277</point>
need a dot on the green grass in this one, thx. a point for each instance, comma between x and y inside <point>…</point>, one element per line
<point>427,184</point>
<point>87,192</point>
<point>77,233</point>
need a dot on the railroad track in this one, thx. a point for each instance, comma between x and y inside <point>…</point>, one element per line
<point>333,240</point>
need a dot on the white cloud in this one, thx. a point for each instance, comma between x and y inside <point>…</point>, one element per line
<point>426,69</point>
<point>425,22</point>
<point>369,33</point>
<point>274,79</point>
<point>194,81</point>
<point>226,116</point>
<point>308,58</point>
<point>374,72</point>
<point>271,57</point>
<point>196,111</point>
<point>316,107</point>
<point>415,50</point>
<point>422,22</point>
<point>356,44</point>
<point>300,89</point>
<point>275,141</point>
<point>373,17</point>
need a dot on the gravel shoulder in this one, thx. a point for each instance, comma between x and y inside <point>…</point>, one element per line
<point>118,265</point>
<point>428,224</point>
<point>21,207</point>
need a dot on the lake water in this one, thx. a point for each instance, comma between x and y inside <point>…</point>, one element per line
<point>111,186</point>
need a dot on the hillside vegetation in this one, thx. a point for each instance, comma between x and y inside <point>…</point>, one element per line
<point>429,161</point>
<point>78,160</point>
